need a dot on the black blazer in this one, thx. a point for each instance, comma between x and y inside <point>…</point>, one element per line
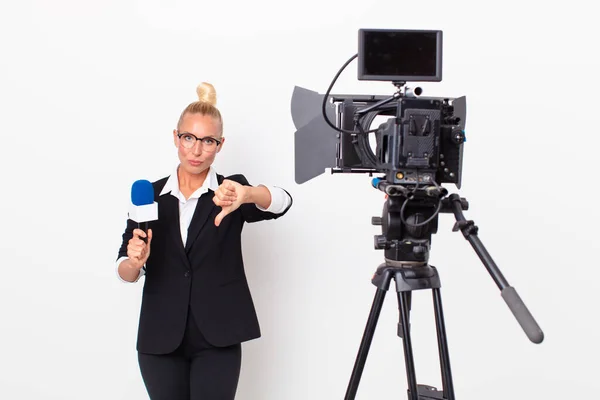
<point>206,276</point>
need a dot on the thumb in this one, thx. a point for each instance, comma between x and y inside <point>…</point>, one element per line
<point>149,236</point>
<point>220,217</point>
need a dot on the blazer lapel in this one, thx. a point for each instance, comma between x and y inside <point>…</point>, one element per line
<point>204,209</point>
<point>169,212</point>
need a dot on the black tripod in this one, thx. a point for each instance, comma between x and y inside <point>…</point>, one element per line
<point>407,226</point>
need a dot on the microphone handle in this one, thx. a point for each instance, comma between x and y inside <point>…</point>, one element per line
<point>144,226</point>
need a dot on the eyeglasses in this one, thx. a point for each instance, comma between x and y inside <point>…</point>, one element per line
<point>208,143</point>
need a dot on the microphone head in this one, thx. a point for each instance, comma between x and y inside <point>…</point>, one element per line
<point>142,193</point>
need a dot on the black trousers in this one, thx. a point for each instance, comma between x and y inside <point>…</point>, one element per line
<point>196,370</point>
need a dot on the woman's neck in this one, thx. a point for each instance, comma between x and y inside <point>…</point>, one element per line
<point>189,183</point>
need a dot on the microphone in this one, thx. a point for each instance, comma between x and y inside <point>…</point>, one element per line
<point>143,208</point>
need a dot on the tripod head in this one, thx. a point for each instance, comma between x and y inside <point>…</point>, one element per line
<point>409,219</point>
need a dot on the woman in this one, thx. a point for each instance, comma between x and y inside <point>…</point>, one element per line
<point>196,305</point>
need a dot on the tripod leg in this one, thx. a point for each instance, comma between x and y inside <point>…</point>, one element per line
<point>365,344</point>
<point>403,303</point>
<point>408,297</point>
<point>443,346</point>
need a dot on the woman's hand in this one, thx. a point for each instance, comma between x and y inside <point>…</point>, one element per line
<point>229,196</point>
<point>138,251</point>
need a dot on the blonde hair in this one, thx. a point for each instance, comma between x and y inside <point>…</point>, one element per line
<point>206,104</point>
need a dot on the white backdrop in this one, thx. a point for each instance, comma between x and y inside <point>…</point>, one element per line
<point>90,91</point>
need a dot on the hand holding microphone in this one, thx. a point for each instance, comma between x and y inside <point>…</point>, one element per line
<point>143,210</point>
<point>138,248</point>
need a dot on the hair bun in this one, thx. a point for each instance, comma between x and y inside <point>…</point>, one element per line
<point>207,93</point>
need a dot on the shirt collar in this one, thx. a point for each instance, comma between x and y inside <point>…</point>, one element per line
<point>172,185</point>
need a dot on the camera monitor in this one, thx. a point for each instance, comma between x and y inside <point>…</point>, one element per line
<point>399,55</point>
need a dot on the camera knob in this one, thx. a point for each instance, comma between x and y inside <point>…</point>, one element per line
<point>458,137</point>
<point>381,242</point>
<point>419,250</point>
<point>376,221</point>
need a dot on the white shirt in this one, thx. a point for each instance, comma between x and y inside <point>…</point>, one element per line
<point>280,200</point>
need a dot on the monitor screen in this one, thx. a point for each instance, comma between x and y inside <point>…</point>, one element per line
<point>400,55</point>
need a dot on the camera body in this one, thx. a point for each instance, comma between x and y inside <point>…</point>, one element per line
<point>420,143</point>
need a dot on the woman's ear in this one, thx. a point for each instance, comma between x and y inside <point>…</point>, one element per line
<point>175,138</point>
<point>221,145</point>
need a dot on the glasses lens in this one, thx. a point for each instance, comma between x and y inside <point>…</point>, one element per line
<point>209,144</point>
<point>188,141</point>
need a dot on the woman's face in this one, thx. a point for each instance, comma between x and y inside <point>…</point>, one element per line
<point>201,155</point>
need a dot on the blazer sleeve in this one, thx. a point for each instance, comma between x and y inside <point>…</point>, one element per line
<point>250,212</point>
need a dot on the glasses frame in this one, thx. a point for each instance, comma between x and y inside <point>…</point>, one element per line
<point>200,139</point>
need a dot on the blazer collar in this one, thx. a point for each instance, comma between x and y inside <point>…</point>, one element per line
<point>172,185</point>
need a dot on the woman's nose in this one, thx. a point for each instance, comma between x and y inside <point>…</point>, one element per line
<point>197,149</point>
